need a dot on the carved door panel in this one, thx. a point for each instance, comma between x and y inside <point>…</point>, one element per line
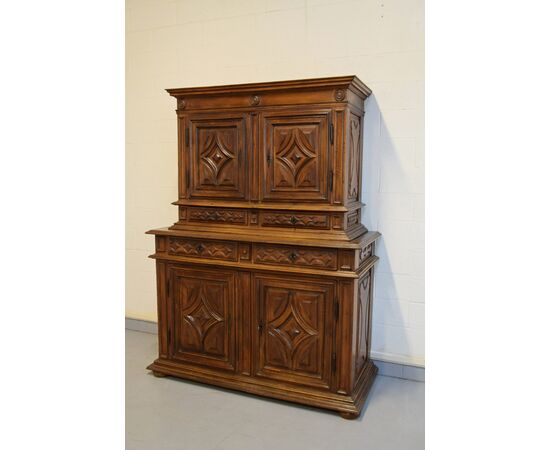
<point>217,157</point>
<point>294,323</point>
<point>294,155</point>
<point>203,309</point>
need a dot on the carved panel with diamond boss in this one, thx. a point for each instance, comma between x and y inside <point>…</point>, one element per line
<point>217,157</point>
<point>294,148</point>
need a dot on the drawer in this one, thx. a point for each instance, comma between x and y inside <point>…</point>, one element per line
<point>216,215</point>
<point>201,248</point>
<point>319,258</point>
<point>299,220</point>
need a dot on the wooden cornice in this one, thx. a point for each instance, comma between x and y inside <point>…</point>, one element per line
<point>343,82</point>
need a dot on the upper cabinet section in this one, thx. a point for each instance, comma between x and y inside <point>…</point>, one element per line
<point>287,144</point>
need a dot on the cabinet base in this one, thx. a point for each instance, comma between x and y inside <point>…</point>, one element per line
<point>349,406</point>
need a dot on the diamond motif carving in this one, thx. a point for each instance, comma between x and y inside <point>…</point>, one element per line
<point>215,156</point>
<point>269,254</point>
<point>295,153</point>
<point>217,215</point>
<point>291,332</point>
<point>203,249</point>
<point>295,220</point>
<point>202,317</point>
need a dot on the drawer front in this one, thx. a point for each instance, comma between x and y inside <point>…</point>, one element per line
<point>295,256</point>
<point>280,219</point>
<point>216,215</point>
<point>203,248</point>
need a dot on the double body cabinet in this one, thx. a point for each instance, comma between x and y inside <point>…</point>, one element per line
<point>265,281</point>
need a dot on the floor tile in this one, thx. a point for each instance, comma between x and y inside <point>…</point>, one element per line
<point>171,414</point>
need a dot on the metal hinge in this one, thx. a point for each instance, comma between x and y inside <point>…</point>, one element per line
<point>331,133</point>
<point>187,136</point>
<point>260,326</point>
<point>330,180</point>
<point>268,157</point>
<point>333,360</point>
<point>336,309</point>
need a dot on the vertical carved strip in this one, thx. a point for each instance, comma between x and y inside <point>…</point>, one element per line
<point>183,163</point>
<point>343,338</point>
<point>338,155</point>
<point>162,307</point>
<point>363,325</point>
<point>244,327</point>
<point>354,158</point>
<point>253,157</point>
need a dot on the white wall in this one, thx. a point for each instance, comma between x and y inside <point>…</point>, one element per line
<point>206,42</point>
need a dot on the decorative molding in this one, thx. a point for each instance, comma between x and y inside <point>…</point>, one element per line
<point>203,249</point>
<point>353,219</point>
<point>244,251</point>
<point>217,215</point>
<point>182,103</point>
<point>340,95</point>
<point>269,254</point>
<point>365,253</point>
<point>295,220</point>
<point>254,100</point>
<point>254,218</point>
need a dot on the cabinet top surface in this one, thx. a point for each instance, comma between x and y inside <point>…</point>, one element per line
<point>344,82</point>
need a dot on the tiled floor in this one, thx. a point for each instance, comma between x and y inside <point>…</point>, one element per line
<point>166,413</point>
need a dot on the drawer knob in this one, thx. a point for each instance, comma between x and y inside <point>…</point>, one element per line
<point>200,248</point>
<point>293,256</point>
<point>293,220</point>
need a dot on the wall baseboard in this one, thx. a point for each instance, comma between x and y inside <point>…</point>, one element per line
<point>385,366</point>
<point>145,326</point>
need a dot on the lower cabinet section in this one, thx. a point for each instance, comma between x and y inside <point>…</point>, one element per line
<point>302,338</point>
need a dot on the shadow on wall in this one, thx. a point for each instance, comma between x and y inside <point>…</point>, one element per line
<point>380,151</point>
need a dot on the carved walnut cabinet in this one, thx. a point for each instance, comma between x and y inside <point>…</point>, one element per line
<point>265,281</point>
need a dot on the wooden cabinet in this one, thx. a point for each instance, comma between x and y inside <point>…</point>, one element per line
<point>265,280</point>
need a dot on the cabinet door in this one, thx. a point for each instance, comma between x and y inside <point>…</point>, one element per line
<point>294,320</point>
<point>203,310</point>
<point>294,149</point>
<point>217,157</point>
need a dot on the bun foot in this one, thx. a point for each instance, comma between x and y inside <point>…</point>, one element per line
<point>349,415</point>
<point>158,374</point>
